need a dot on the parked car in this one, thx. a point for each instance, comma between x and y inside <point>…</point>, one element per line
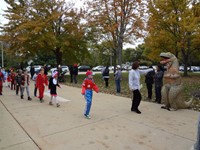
<point>143,67</point>
<point>83,68</point>
<point>195,68</point>
<point>181,68</point>
<point>111,68</point>
<point>64,69</point>
<point>36,67</point>
<point>98,68</point>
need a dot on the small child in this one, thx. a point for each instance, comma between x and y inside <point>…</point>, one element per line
<point>9,80</point>
<point>25,85</point>
<point>34,78</point>
<point>53,83</point>
<point>87,90</point>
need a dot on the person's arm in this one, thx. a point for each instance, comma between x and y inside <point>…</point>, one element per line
<point>83,88</point>
<point>131,75</point>
<point>95,88</point>
<point>145,71</point>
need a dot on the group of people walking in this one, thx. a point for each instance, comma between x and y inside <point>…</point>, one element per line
<point>20,81</point>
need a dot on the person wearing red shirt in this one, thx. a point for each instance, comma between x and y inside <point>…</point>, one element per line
<point>41,81</point>
<point>1,82</point>
<point>12,76</point>
<point>87,90</point>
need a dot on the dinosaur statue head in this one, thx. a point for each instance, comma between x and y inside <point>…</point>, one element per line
<point>167,57</point>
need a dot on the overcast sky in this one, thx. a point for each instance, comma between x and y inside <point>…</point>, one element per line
<point>2,7</point>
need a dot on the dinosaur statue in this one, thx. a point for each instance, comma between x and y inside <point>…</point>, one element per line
<point>172,91</point>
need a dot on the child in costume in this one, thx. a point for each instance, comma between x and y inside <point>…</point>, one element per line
<point>41,81</point>
<point>34,78</point>
<point>53,83</point>
<point>25,85</point>
<point>87,90</point>
<point>9,80</point>
<point>13,82</point>
<point>1,81</point>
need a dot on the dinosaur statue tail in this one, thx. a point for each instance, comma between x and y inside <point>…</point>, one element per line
<point>178,100</point>
<point>187,104</point>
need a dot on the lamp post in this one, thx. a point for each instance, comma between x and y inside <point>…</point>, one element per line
<point>2,54</point>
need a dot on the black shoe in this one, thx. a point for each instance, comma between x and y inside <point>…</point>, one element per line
<point>29,98</point>
<point>1,94</point>
<point>138,112</point>
<point>22,97</point>
<point>164,107</point>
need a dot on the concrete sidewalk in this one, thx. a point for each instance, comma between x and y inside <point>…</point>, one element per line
<point>31,125</point>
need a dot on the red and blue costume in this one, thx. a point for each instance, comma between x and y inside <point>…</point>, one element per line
<point>87,90</point>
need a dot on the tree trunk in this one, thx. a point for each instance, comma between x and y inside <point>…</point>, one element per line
<point>185,61</point>
<point>58,54</point>
<point>114,59</point>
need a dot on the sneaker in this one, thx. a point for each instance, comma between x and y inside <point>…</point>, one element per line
<point>58,105</point>
<point>41,100</point>
<point>50,103</point>
<point>87,117</point>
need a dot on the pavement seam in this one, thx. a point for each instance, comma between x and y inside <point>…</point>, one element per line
<point>20,125</point>
<point>2,148</point>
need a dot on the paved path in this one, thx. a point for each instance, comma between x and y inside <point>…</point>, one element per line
<point>30,125</point>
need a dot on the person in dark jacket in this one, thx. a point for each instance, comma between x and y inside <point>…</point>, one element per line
<point>75,73</point>
<point>45,69</point>
<point>106,76</point>
<point>158,78</point>
<point>71,73</point>
<point>149,80</point>
<point>19,82</point>
<point>32,71</point>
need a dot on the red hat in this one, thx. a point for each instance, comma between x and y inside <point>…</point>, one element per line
<point>88,73</point>
<point>75,65</point>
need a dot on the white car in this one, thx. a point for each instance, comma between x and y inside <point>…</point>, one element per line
<point>36,67</point>
<point>98,68</point>
<point>111,68</point>
<point>64,69</point>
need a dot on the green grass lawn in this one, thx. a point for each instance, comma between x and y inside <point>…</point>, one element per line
<point>191,83</point>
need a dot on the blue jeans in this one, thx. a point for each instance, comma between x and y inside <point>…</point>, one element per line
<point>118,87</point>
<point>88,99</point>
<point>197,145</point>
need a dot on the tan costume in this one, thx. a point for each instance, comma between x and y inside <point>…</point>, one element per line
<point>172,92</point>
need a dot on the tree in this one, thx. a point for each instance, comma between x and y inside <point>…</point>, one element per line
<point>173,26</point>
<point>45,26</point>
<point>116,21</point>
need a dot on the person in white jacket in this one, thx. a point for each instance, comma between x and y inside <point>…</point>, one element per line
<point>134,85</point>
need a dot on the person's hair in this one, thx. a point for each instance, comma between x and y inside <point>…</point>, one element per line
<point>160,67</point>
<point>41,69</point>
<point>135,65</point>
